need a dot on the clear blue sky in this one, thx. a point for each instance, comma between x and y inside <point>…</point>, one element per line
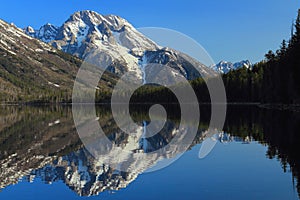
<point>228,29</point>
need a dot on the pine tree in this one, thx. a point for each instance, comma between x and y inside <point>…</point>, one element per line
<point>270,56</point>
<point>297,26</point>
<point>295,35</point>
<point>283,49</point>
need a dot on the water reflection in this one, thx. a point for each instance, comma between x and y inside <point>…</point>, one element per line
<point>41,142</point>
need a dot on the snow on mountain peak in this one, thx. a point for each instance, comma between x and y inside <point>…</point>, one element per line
<point>85,30</point>
<point>224,66</point>
<point>93,18</point>
<point>46,33</point>
<point>117,42</point>
<point>29,29</point>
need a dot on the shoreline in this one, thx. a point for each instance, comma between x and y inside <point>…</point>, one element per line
<point>277,106</point>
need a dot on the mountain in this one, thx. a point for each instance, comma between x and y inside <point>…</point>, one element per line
<point>116,42</point>
<point>41,65</point>
<point>46,33</point>
<point>87,29</point>
<point>224,67</point>
<point>31,70</point>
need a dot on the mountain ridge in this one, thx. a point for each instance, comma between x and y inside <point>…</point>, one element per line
<point>224,66</point>
<point>117,40</point>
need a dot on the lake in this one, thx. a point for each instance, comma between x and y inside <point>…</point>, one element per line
<point>255,157</point>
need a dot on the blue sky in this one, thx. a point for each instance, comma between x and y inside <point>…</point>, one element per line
<point>230,30</point>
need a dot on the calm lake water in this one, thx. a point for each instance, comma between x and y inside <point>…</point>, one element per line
<point>255,157</point>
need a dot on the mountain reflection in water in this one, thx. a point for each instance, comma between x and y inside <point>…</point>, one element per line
<point>42,142</point>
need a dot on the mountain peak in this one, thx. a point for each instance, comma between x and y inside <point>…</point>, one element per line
<point>117,41</point>
<point>85,30</point>
<point>225,66</point>
<point>93,18</point>
<point>224,62</point>
<point>29,29</point>
<point>86,14</point>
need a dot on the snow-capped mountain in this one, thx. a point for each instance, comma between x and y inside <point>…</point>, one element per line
<point>117,42</point>
<point>224,67</point>
<point>46,33</point>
